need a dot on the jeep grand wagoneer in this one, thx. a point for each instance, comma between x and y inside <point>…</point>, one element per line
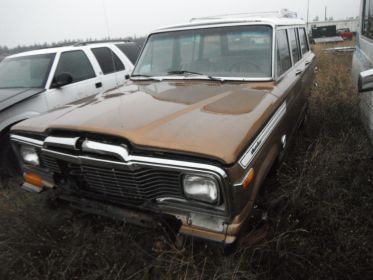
<point>210,106</point>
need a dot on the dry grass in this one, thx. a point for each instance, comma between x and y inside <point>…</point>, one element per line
<point>320,204</point>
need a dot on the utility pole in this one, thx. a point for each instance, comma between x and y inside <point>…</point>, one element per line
<point>326,13</point>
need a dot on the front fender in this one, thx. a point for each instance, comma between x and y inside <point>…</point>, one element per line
<point>16,119</point>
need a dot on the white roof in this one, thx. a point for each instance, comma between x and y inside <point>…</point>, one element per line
<point>271,18</point>
<point>63,49</point>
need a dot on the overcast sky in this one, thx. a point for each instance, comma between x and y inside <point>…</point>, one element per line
<point>24,22</point>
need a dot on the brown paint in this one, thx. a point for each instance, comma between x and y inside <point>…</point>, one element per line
<point>200,118</point>
<point>185,117</point>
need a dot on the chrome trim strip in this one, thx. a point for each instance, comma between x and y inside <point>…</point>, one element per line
<point>63,142</point>
<point>204,78</point>
<point>258,143</point>
<point>30,188</point>
<point>120,151</point>
<point>133,160</point>
<point>165,199</point>
<point>101,148</point>
<point>26,140</point>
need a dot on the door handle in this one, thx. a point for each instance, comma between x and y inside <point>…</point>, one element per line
<point>98,85</point>
<point>308,62</point>
<point>298,72</point>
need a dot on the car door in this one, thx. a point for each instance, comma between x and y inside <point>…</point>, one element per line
<point>289,72</point>
<point>113,71</point>
<point>84,83</point>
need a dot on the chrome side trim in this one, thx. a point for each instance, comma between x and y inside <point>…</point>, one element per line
<point>26,140</point>
<point>258,143</point>
<point>63,142</point>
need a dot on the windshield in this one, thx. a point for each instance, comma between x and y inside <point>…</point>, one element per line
<point>230,52</point>
<point>26,71</point>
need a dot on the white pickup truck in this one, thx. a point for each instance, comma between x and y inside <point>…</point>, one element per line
<point>38,81</point>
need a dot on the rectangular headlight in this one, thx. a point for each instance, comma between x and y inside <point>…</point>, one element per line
<point>201,188</point>
<point>29,155</point>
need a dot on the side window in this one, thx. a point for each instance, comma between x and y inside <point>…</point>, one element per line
<point>108,60</point>
<point>367,16</point>
<point>303,40</point>
<point>76,64</point>
<point>283,52</point>
<point>293,38</point>
<point>132,51</point>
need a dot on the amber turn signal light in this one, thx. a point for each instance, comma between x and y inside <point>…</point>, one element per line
<point>33,179</point>
<point>249,178</point>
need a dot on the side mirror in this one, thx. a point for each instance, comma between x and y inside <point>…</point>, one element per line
<point>366,81</point>
<point>61,80</point>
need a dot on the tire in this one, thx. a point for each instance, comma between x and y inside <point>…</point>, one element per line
<point>9,166</point>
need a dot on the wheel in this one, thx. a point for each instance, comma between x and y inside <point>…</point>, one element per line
<point>9,166</point>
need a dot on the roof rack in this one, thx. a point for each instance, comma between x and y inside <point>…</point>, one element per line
<point>79,44</point>
<point>284,13</point>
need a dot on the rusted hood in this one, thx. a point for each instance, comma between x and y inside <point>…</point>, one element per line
<point>199,118</point>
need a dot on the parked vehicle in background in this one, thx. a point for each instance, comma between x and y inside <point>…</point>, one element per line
<point>363,64</point>
<point>324,31</point>
<point>210,107</point>
<point>34,82</point>
<point>345,33</point>
<point>325,34</point>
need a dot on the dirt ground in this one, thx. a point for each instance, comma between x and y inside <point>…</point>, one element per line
<point>319,203</point>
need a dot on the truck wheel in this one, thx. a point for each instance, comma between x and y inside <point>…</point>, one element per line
<point>9,166</point>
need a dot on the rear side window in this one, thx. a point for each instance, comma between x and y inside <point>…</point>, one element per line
<point>76,64</point>
<point>293,38</point>
<point>132,51</point>
<point>108,60</point>
<point>283,52</point>
<point>303,41</point>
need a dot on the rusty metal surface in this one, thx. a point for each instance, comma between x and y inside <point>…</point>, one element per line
<point>186,117</point>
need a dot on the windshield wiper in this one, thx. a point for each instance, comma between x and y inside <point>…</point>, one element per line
<point>186,72</point>
<point>148,77</point>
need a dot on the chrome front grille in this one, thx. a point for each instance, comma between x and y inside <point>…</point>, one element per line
<point>124,186</point>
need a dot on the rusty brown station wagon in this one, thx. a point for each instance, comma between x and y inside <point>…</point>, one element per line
<point>211,105</point>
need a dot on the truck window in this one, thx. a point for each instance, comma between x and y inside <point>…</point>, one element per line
<point>303,41</point>
<point>26,71</point>
<point>283,52</point>
<point>231,51</point>
<point>108,60</point>
<point>367,26</point>
<point>293,38</point>
<point>76,64</point>
<point>132,51</point>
